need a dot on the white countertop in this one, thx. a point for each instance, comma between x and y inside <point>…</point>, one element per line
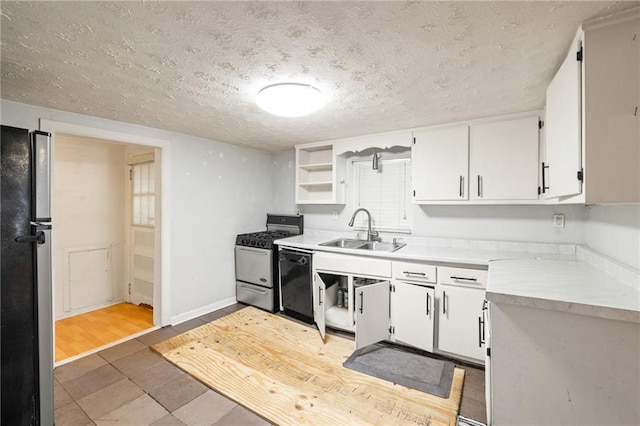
<point>560,285</point>
<point>545,276</point>
<point>473,253</point>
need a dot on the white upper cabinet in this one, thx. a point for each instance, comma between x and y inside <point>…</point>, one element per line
<point>440,164</point>
<point>593,118</point>
<point>484,162</point>
<point>563,128</point>
<point>319,175</point>
<point>504,160</point>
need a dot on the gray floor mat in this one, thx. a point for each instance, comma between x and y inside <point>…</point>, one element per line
<point>403,367</point>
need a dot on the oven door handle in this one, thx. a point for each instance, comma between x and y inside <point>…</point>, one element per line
<point>262,252</point>
<point>253,289</point>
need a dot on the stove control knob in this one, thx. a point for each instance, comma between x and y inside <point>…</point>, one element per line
<point>264,243</point>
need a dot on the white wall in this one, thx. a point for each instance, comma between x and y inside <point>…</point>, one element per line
<point>508,223</point>
<point>217,191</point>
<point>284,182</point>
<point>614,230</point>
<point>89,211</point>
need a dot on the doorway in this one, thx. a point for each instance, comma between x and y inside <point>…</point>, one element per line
<point>104,242</point>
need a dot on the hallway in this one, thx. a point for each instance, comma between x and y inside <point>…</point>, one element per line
<point>84,332</point>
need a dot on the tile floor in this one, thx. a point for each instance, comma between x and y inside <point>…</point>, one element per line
<point>130,384</point>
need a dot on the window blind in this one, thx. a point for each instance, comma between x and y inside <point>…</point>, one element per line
<point>385,193</point>
<point>143,194</point>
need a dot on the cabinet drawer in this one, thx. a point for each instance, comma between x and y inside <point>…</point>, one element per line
<point>462,277</point>
<point>410,271</point>
<point>352,264</point>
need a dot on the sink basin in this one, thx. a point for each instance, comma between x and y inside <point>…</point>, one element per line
<point>363,245</point>
<point>381,246</point>
<point>344,243</point>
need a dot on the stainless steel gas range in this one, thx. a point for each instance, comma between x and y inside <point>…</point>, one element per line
<point>257,261</point>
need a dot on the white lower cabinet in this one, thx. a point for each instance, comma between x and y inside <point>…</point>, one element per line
<point>372,313</point>
<point>461,327</point>
<point>335,272</point>
<point>398,311</point>
<point>412,314</point>
<point>397,301</point>
<point>319,297</point>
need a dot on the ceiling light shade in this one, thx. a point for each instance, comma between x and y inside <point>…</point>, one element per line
<point>290,99</point>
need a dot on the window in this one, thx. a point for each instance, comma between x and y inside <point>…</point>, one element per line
<point>384,192</point>
<point>143,194</point>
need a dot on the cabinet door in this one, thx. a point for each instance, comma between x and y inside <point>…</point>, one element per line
<point>564,128</point>
<point>319,295</point>
<point>504,160</point>
<point>412,313</point>
<point>440,164</point>
<point>372,313</point>
<point>460,319</point>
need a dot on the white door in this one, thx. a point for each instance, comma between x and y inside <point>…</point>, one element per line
<point>564,128</point>
<point>504,160</point>
<point>142,234</point>
<point>460,321</point>
<point>372,313</point>
<point>412,313</point>
<point>319,295</point>
<point>142,265</point>
<point>440,164</point>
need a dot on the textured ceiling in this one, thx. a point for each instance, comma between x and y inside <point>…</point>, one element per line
<point>195,67</point>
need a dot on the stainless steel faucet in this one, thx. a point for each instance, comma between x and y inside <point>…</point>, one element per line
<point>371,234</point>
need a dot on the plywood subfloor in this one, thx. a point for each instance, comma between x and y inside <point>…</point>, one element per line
<point>281,370</point>
<point>91,330</point>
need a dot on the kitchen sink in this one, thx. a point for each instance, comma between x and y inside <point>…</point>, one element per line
<point>381,246</point>
<point>363,245</point>
<point>344,243</point>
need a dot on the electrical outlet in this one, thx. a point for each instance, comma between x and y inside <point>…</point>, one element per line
<point>334,215</point>
<point>558,221</point>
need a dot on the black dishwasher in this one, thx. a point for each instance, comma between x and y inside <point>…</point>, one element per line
<point>296,285</point>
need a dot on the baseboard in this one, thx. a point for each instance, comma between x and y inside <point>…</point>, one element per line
<point>91,308</point>
<point>175,320</point>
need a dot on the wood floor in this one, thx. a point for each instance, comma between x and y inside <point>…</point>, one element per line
<point>283,372</point>
<point>84,332</point>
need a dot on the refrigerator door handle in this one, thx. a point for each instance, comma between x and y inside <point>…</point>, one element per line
<point>41,176</point>
<point>37,238</point>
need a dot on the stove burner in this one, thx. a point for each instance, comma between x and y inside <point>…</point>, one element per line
<point>262,239</point>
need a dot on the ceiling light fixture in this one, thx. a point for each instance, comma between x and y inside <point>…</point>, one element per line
<point>290,99</point>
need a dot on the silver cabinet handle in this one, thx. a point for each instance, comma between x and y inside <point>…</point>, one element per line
<point>464,279</point>
<point>479,185</point>
<point>461,186</point>
<point>422,274</point>
<point>444,303</point>
<point>481,331</point>
<point>319,296</point>
<point>361,300</point>
<point>428,303</point>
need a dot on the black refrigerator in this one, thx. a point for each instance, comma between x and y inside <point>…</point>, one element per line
<point>26,320</point>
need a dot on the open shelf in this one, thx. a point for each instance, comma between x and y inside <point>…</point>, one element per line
<point>319,175</point>
<point>317,166</point>
<point>315,184</point>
